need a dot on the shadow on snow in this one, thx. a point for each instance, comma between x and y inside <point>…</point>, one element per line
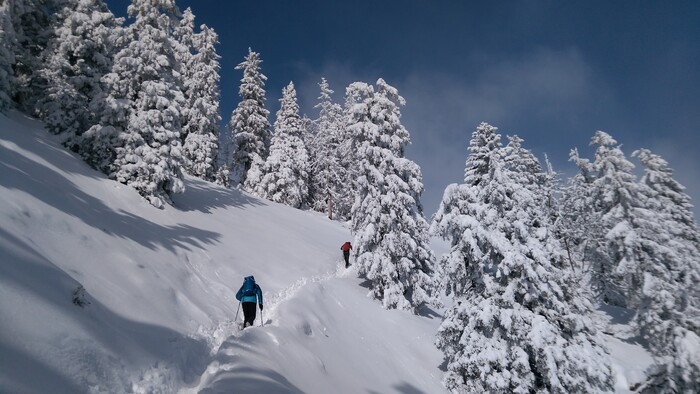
<point>240,377</point>
<point>141,345</point>
<point>21,173</point>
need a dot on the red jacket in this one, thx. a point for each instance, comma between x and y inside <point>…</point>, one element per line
<point>346,247</point>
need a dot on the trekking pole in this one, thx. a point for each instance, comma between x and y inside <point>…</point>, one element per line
<point>262,320</point>
<point>239,308</point>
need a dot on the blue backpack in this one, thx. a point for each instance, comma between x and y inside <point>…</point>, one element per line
<point>249,287</point>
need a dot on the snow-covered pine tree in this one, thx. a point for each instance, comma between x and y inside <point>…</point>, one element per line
<point>78,55</point>
<point>31,24</point>
<point>348,158</point>
<point>552,191</point>
<point>577,224</point>
<point>145,98</point>
<point>540,183</point>
<point>249,127</point>
<point>311,138</point>
<point>605,188</point>
<point>328,181</point>
<point>391,235</point>
<point>532,177</point>
<point>667,228</point>
<point>671,201</point>
<point>668,317</point>
<point>680,371</point>
<point>284,176</point>
<point>631,244</point>
<point>8,41</point>
<point>201,143</point>
<point>308,137</point>
<point>515,326</point>
<point>456,205</point>
<point>183,34</point>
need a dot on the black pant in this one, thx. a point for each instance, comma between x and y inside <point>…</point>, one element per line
<point>346,256</point>
<point>248,313</point>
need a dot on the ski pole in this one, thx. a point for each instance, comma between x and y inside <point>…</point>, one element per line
<point>239,308</point>
<point>262,320</point>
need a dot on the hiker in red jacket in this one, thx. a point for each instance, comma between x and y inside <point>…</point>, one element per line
<point>346,253</point>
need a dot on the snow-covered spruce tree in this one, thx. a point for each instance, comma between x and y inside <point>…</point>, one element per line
<point>642,259</point>
<point>540,184</point>
<point>31,24</point>
<point>284,176</point>
<point>532,177</point>
<point>8,42</point>
<point>328,177</point>
<point>249,127</point>
<point>668,317</point>
<point>670,330</point>
<point>314,146</point>
<point>603,189</point>
<point>391,235</point>
<point>183,34</point>
<point>308,137</point>
<point>671,201</point>
<point>553,191</point>
<point>680,371</point>
<point>578,224</point>
<point>145,99</point>
<point>515,326</point>
<point>669,294</point>
<point>458,205</point>
<point>348,158</point>
<point>79,54</point>
<point>201,143</point>
<point>632,243</point>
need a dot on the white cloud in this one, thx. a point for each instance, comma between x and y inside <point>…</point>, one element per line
<point>541,97</point>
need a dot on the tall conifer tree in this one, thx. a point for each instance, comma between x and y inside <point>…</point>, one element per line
<point>201,143</point>
<point>183,33</point>
<point>329,182</point>
<point>146,99</point>
<point>8,44</point>
<point>391,234</point>
<point>627,245</point>
<point>78,56</point>
<point>249,127</point>
<point>515,324</point>
<point>284,175</point>
<point>668,317</point>
<point>31,20</point>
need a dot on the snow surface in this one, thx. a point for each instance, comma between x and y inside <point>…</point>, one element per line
<point>161,287</point>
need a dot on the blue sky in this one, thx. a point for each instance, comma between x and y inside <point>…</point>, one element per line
<point>552,72</point>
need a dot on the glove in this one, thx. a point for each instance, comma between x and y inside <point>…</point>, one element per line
<point>261,306</point>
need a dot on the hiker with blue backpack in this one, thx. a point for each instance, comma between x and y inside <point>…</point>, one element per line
<point>249,294</point>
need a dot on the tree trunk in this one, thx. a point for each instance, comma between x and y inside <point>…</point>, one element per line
<point>568,251</point>
<point>330,205</point>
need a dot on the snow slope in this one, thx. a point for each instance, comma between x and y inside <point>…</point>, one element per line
<point>161,287</point>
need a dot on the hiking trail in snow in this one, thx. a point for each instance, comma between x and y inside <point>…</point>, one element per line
<point>227,339</point>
